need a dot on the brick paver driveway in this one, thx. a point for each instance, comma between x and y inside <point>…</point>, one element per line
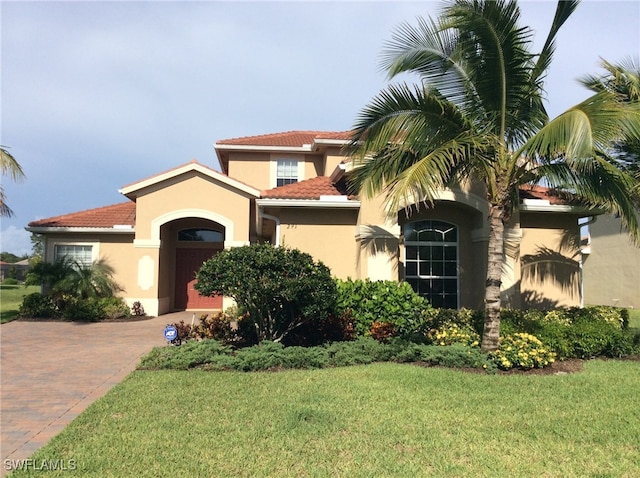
<point>51,372</point>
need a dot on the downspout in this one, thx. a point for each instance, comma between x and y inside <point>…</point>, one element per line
<point>590,221</point>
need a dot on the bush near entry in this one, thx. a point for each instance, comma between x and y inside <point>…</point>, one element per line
<point>280,289</point>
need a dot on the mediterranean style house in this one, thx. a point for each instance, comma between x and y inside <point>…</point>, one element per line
<point>289,189</point>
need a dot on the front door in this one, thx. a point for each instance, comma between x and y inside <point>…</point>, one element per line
<point>188,262</point>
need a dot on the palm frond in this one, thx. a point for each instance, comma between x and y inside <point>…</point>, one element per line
<point>564,9</point>
<point>429,51</point>
<point>591,126</point>
<point>9,165</point>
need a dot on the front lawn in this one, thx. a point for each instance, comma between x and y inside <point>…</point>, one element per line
<point>374,420</point>
<point>10,299</point>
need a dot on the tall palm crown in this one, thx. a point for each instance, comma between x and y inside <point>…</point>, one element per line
<point>478,114</point>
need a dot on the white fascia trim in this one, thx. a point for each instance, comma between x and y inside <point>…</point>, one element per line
<point>558,208</point>
<point>331,142</point>
<point>97,230</point>
<point>185,169</point>
<point>305,148</point>
<point>312,203</point>
<point>337,173</point>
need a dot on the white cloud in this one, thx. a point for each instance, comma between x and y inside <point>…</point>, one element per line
<point>15,240</point>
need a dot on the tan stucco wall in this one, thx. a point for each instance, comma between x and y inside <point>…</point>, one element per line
<point>549,260</point>
<point>328,235</point>
<point>194,192</point>
<point>612,269</point>
<point>259,169</point>
<point>116,249</point>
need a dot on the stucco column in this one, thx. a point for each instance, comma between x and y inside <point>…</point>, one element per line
<point>510,289</point>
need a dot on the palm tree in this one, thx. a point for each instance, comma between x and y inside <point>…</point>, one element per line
<point>8,165</point>
<point>478,114</point>
<point>89,281</point>
<point>622,79</point>
<point>67,277</point>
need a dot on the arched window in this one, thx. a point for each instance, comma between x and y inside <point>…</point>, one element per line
<point>431,261</point>
<point>200,235</point>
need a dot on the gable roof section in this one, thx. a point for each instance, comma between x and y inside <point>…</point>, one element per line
<point>313,188</point>
<point>288,139</point>
<point>544,199</point>
<point>120,217</point>
<point>130,190</point>
<point>318,192</point>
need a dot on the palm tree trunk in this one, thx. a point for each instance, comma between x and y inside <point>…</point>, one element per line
<point>491,332</point>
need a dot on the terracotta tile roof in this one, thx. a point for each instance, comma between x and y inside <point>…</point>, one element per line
<point>106,216</point>
<point>288,138</point>
<point>307,189</point>
<point>541,192</point>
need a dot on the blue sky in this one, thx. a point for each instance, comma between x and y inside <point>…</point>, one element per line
<point>96,95</point>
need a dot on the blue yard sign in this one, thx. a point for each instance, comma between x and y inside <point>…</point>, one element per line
<point>170,333</point>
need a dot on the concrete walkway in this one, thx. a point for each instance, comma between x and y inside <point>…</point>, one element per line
<point>52,371</point>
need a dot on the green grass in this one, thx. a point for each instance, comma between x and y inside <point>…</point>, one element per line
<point>11,298</point>
<point>363,421</point>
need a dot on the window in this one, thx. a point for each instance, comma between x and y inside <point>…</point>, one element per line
<point>431,261</point>
<point>75,253</point>
<point>286,172</point>
<point>200,235</point>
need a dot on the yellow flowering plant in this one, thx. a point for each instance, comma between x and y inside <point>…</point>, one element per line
<point>522,350</point>
<point>449,334</point>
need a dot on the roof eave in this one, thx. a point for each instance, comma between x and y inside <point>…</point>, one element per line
<point>310,203</point>
<point>305,148</point>
<point>70,229</point>
<point>130,190</point>
<point>561,208</point>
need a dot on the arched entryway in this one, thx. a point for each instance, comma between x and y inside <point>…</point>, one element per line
<point>195,246</point>
<point>187,243</point>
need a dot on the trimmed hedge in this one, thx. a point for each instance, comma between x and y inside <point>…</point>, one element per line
<point>212,355</point>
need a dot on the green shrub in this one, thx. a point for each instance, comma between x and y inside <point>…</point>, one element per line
<point>86,310</point>
<point>10,281</point>
<point>455,356</point>
<point>522,350</point>
<point>212,355</point>
<point>386,302</point>
<point>36,305</point>
<point>574,332</point>
<point>333,328</point>
<point>591,337</point>
<point>115,308</point>
<point>279,288</point>
<point>183,357</point>
<point>214,326</point>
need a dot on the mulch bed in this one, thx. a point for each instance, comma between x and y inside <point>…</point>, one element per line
<point>135,318</point>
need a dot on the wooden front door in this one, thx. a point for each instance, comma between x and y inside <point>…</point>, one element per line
<point>188,262</point>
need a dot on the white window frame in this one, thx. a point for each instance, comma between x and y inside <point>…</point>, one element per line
<point>55,255</point>
<point>297,177</point>
<point>428,276</point>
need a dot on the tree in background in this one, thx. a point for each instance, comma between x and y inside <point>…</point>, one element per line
<point>477,114</point>
<point>8,166</point>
